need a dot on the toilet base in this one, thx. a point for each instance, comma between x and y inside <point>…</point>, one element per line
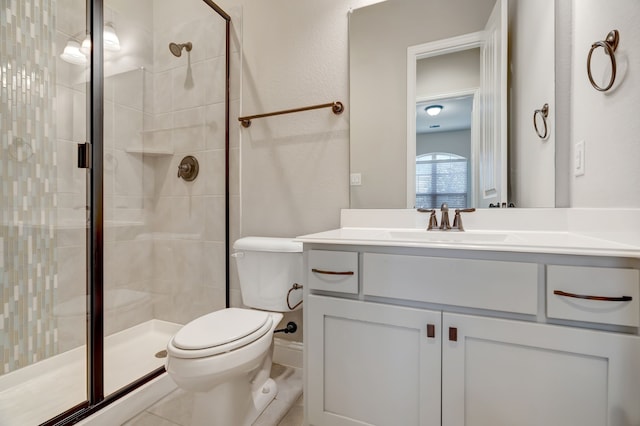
<point>262,397</point>
<point>232,403</point>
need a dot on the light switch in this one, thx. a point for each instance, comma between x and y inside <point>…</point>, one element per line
<point>356,179</point>
<point>578,161</point>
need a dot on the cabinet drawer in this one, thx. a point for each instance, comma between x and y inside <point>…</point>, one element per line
<point>483,284</point>
<point>333,271</point>
<point>605,287</point>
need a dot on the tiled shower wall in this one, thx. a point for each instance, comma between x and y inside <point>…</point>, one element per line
<point>28,237</point>
<point>188,117</point>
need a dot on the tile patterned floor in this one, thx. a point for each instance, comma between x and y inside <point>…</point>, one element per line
<point>285,410</point>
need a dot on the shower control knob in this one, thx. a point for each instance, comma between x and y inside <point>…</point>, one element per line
<point>188,168</point>
<point>184,169</point>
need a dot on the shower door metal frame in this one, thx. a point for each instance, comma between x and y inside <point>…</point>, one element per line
<point>95,231</point>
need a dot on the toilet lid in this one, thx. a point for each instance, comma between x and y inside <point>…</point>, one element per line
<point>219,328</point>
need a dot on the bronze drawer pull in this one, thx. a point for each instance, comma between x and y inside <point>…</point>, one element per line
<point>320,271</point>
<point>602,298</point>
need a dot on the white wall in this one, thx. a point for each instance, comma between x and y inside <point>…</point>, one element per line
<point>608,122</point>
<point>457,142</point>
<point>450,73</point>
<point>532,84</point>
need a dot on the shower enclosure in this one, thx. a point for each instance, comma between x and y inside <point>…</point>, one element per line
<point>106,247</point>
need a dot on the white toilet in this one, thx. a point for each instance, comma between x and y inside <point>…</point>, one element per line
<point>225,356</point>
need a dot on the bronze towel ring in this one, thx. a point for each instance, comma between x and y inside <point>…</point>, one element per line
<point>544,113</point>
<point>610,44</point>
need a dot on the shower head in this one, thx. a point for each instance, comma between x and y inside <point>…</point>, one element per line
<point>176,48</point>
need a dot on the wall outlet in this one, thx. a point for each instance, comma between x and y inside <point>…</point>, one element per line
<point>578,159</point>
<point>356,179</point>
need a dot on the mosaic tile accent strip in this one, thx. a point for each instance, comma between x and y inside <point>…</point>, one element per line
<point>28,264</point>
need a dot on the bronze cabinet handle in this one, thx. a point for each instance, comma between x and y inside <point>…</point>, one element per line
<point>453,334</point>
<point>588,297</point>
<point>321,271</point>
<point>431,331</point>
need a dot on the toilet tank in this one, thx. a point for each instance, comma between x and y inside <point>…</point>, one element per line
<point>267,269</point>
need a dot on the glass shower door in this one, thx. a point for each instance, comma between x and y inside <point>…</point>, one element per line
<point>43,210</point>
<point>164,249</point>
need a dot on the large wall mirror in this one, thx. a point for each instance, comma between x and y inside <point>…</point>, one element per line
<point>456,118</point>
<point>407,56</point>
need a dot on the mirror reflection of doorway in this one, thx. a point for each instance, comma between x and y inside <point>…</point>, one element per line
<point>445,135</point>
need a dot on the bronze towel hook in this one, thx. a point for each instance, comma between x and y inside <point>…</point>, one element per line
<point>610,44</point>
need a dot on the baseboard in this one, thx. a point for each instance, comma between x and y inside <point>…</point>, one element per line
<point>287,352</point>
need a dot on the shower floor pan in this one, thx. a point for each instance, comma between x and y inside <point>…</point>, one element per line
<point>36,393</point>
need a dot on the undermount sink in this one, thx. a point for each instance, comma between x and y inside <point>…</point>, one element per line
<point>533,241</point>
<point>407,235</point>
<point>448,236</point>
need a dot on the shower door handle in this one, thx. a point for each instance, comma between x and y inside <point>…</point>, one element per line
<point>84,155</point>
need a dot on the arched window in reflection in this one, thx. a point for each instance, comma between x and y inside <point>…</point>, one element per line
<point>441,177</point>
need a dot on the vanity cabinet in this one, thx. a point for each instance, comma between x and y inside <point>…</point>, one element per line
<point>419,343</point>
<point>505,372</point>
<point>372,363</point>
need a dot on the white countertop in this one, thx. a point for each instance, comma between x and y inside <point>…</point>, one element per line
<point>593,232</point>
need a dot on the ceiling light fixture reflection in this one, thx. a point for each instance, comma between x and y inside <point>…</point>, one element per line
<point>433,110</point>
<point>111,40</point>
<point>77,54</point>
<point>86,45</point>
<point>72,53</point>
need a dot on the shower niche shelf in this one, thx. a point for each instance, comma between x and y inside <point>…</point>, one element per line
<point>153,144</point>
<point>155,152</point>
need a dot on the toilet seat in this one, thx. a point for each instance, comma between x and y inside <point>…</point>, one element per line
<point>219,332</point>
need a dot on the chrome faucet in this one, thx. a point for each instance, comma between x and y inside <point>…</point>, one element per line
<point>444,217</point>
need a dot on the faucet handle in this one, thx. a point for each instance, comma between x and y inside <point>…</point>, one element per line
<point>457,219</point>
<point>433,222</point>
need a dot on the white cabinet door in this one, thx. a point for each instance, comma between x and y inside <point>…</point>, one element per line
<point>505,372</point>
<point>370,363</point>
